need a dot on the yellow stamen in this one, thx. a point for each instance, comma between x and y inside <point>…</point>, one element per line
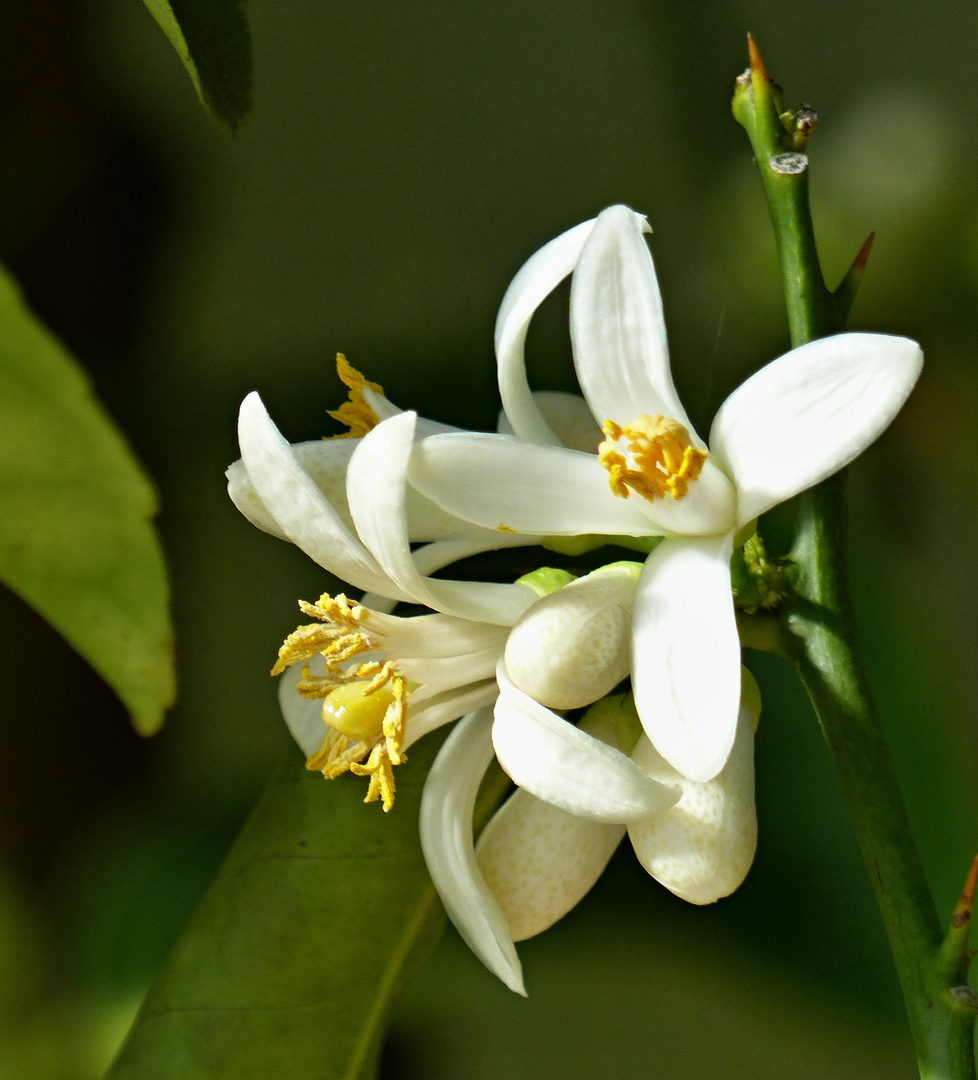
<point>364,704</point>
<point>664,459</point>
<point>356,413</point>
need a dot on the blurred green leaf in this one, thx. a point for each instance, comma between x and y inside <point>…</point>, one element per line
<point>76,540</point>
<point>212,39</point>
<point>320,914</point>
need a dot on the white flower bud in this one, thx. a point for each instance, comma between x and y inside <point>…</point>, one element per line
<point>573,646</point>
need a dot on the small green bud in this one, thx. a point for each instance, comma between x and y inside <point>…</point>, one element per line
<point>546,580</point>
<point>758,582</point>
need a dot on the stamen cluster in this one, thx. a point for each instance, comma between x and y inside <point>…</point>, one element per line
<point>665,459</point>
<point>353,695</point>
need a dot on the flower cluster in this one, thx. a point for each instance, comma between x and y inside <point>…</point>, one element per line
<point>666,757</point>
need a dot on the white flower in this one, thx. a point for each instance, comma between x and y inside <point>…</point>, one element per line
<point>578,790</point>
<point>377,682</point>
<point>363,533</point>
<point>791,425</point>
<point>536,860</point>
<point>325,462</point>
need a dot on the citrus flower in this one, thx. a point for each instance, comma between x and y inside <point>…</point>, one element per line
<point>357,518</point>
<point>792,424</point>
<point>579,788</point>
<point>377,682</point>
<point>536,860</point>
<point>308,481</point>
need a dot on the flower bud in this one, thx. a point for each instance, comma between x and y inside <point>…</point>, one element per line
<point>573,646</point>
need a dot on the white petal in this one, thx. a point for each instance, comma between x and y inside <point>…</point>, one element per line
<point>617,326</point>
<point>429,712</point>
<point>809,413</point>
<point>539,861</point>
<point>382,408</point>
<point>325,460</point>
<point>242,493</point>
<point>499,482</point>
<point>702,848</point>
<point>539,276</point>
<point>448,672</point>
<point>686,654</point>
<point>432,635</point>
<point>376,488</point>
<point>442,553</point>
<point>565,766</point>
<point>568,416</point>
<point>299,508</point>
<point>446,839</point>
<point>573,646</point>
<point>303,716</point>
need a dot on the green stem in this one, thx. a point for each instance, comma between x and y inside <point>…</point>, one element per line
<point>819,635</point>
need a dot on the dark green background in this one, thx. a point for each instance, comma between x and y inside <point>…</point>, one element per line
<point>402,162</point>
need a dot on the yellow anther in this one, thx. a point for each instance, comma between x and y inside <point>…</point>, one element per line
<point>659,458</point>
<point>364,704</point>
<point>356,413</point>
<point>378,768</point>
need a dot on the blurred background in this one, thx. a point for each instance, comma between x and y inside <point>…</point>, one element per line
<point>402,162</point>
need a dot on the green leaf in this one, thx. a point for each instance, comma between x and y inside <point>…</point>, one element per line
<point>212,39</point>
<point>76,540</point>
<point>320,914</point>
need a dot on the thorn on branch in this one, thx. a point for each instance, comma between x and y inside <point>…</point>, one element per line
<point>845,294</point>
<point>955,957</point>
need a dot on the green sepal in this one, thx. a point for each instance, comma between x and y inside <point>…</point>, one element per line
<point>582,545</point>
<point>615,713</point>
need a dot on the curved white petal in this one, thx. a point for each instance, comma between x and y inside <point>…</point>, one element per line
<point>442,553</point>
<point>376,489</point>
<point>242,493</point>
<point>299,508</point>
<point>502,483</point>
<point>617,327</point>
<point>453,670</point>
<point>446,839</point>
<point>569,417</point>
<point>378,402</point>
<point>432,635</point>
<point>539,862</point>
<point>686,654</point>
<point>809,413</point>
<point>325,460</point>
<point>303,716</point>
<point>568,768</point>
<point>538,277</point>
<point>428,523</point>
<point>432,711</point>
<point>701,848</point>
